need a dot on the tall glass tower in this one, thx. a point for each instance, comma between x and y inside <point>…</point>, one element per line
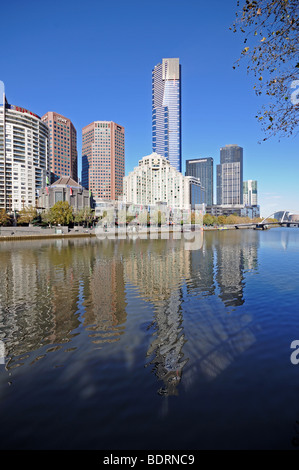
<point>202,168</point>
<point>166,111</point>
<point>230,175</point>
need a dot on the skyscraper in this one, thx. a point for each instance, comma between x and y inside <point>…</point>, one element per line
<point>103,159</point>
<point>250,193</point>
<point>166,111</point>
<point>202,168</point>
<point>230,175</point>
<point>63,146</point>
<point>24,159</point>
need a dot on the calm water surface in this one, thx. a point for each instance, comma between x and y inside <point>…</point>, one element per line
<point>145,344</point>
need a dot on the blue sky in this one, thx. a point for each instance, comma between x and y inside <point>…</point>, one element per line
<point>92,60</point>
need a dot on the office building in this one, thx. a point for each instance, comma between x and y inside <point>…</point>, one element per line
<point>63,146</point>
<point>230,176</point>
<point>250,193</point>
<point>103,159</point>
<point>166,111</point>
<point>202,168</point>
<point>155,181</point>
<point>24,158</point>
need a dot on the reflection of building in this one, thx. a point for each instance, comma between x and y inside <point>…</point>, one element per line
<point>230,175</point>
<point>202,281</point>
<point>214,338</point>
<point>65,189</point>
<point>155,180</point>
<point>24,159</point>
<point>202,168</point>
<point>105,307</point>
<point>103,159</point>
<point>63,146</point>
<point>158,272</point>
<point>39,305</point>
<point>166,111</point>
<point>230,271</point>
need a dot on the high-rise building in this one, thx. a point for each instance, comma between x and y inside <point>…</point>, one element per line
<point>103,159</point>
<point>24,159</point>
<point>166,111</point>
<point>155,181</point>
<point>250,193</point>
<point>230,175</point>
<point>202,168</point>
<point>63,146</point>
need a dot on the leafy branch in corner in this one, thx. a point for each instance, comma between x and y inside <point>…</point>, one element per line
<point>271,30</point>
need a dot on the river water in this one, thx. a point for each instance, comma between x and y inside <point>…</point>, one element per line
<point>144,344</point>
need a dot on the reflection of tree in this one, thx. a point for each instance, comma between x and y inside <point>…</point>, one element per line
<point>158,271</point>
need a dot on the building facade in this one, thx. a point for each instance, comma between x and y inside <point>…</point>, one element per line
<point>203,168</point>
<point>24,157</point>
<point>155,181</point>
<point>250,193</point>
<point>103,159</point>
<point>65,189</point>
<point>63,153</point>
<point>230,175</point>
<point>166,111</point>
<point>239,210</point>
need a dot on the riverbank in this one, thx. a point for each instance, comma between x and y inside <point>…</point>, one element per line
<point>37,233</point>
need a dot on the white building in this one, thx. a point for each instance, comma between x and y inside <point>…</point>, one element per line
<point>156,181</point>
<point>24,157</point>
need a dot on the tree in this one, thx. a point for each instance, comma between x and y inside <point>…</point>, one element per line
<point>221,219</point>
<point>4,218</point>
<point>208,219</point>
<point>272,50</point>
<point>84,216</point>
<point>232,219</point>
<point>61,214</point>
<point>27,215</point>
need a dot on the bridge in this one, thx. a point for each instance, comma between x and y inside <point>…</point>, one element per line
<point>282,219</point>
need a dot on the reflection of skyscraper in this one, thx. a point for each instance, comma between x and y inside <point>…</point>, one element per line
<point>230,175</point>
<point>202,268</point>
<point>105,308</point>
<point>159,274</point>
<point>215,339</point>
<point>166,111</point>
<point>230,270</point>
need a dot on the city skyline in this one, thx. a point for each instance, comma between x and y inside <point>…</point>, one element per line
<point>110,93</point>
